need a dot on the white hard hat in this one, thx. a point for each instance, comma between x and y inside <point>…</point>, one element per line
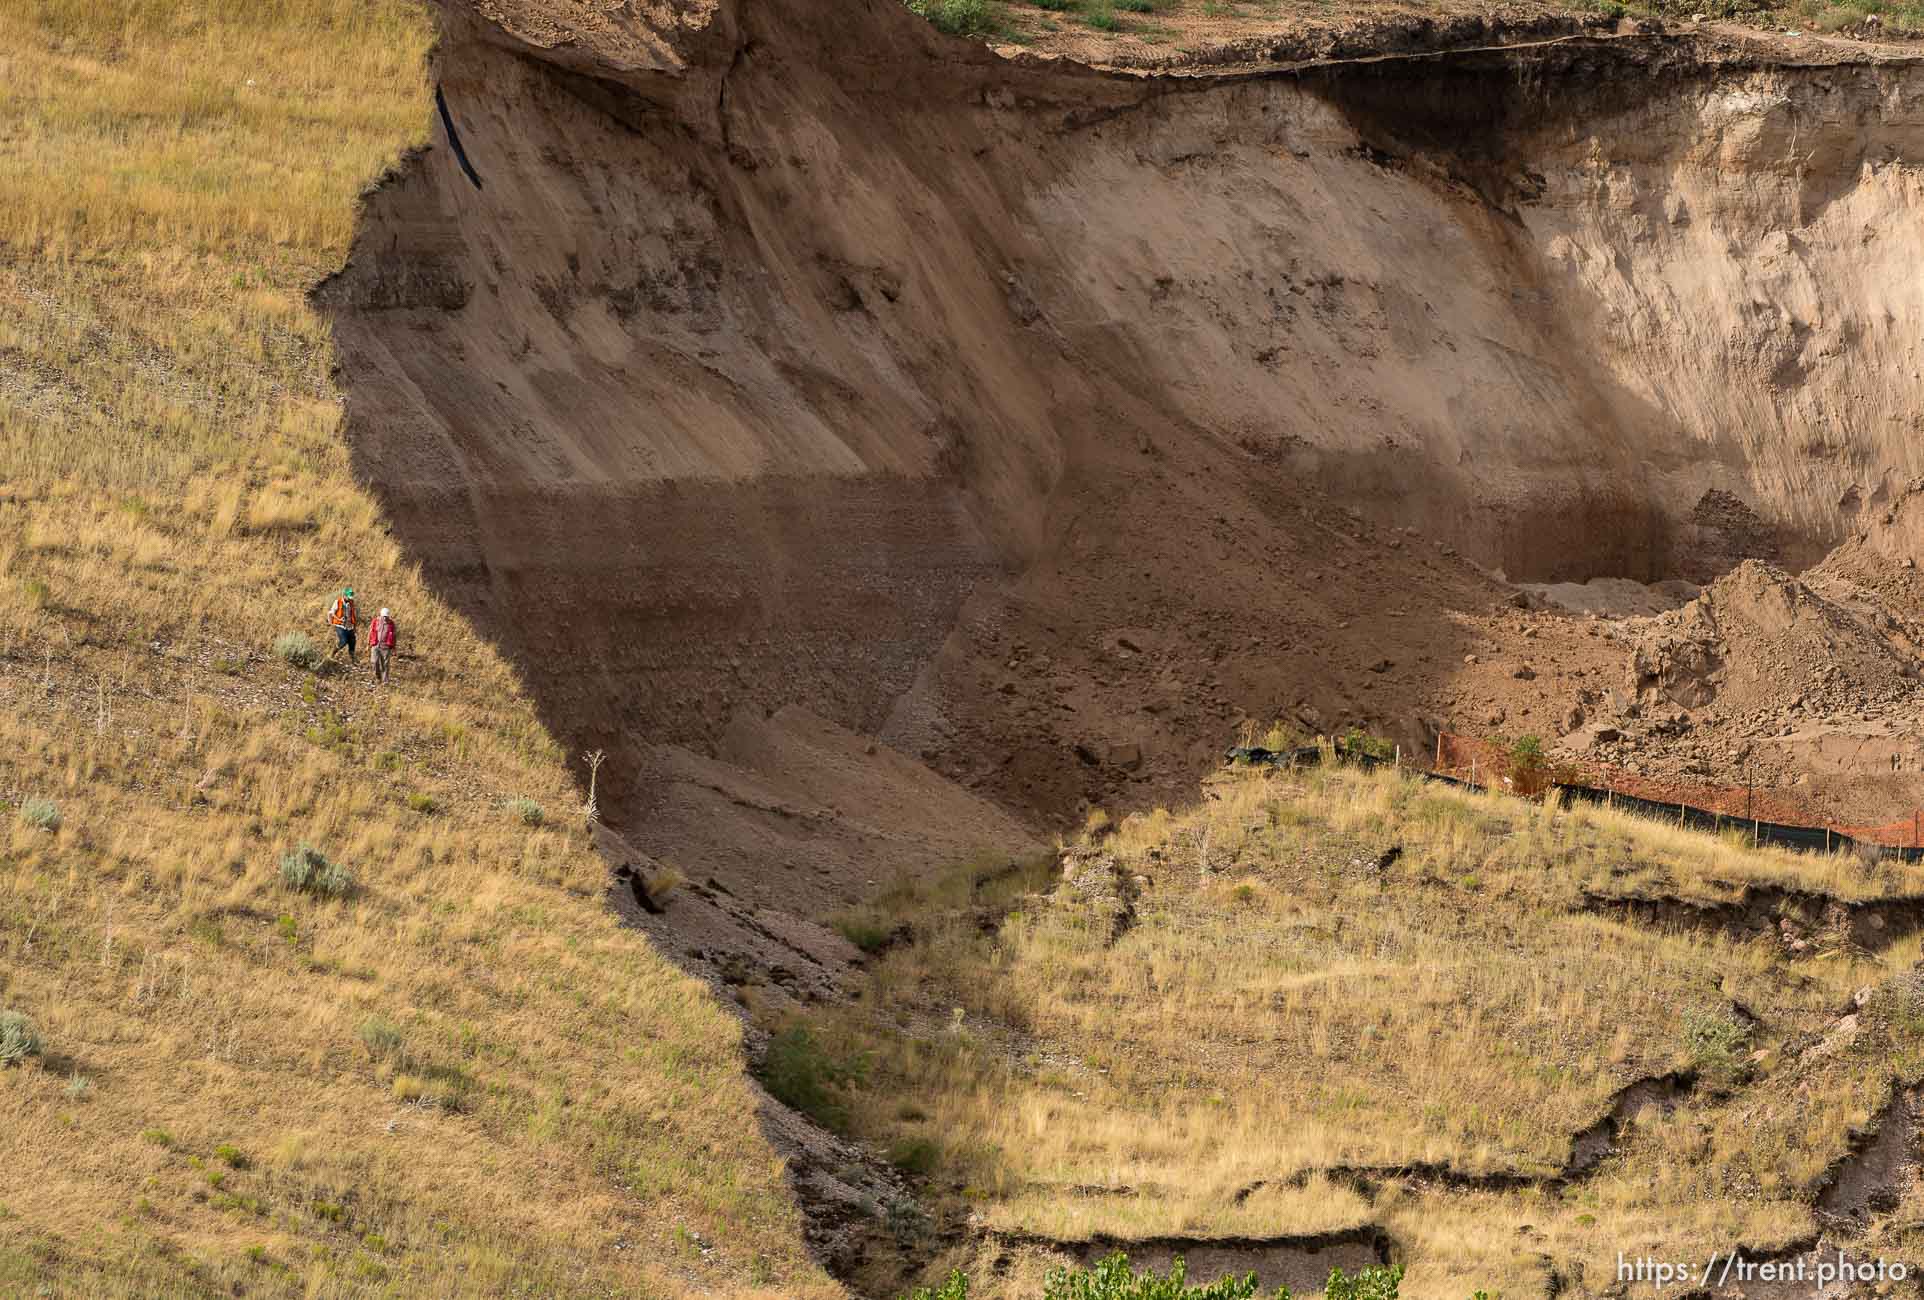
<point>384,611</point>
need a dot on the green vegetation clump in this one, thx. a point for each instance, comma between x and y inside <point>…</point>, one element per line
<point>1715,1043</point>
<point>954,1287</point>
<point>1113,1279</point>
<point>917,1155</point>
<point>1358,743</point>
<point>18,1038</point>
<point>382,1038</point>
<point>1529,765</point>
<point>41,814</point>
<point>799,1071</point>
<point>868,932</point>
<point>527,811</point>
<point>956,17</point>
<point>299,650</point>
<point>309,870</point>
<point>1375,1283</point>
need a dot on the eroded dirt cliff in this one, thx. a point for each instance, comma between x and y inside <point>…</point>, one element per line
<point>1019,412</point>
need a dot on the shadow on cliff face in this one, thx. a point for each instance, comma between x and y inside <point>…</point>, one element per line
<point>1040,422</point>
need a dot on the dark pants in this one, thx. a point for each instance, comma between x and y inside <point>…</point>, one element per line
<point>344,640</point>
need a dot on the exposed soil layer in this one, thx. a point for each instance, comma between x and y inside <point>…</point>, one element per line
<point>1796,918</point>
<point>1301,1263</point>
<point>1870,1178</point>
<point>1588,1149</point>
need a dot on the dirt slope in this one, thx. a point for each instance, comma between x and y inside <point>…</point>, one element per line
<point>1043,423</point>
<point>886,451</point>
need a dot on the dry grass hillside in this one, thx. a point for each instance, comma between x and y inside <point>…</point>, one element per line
<point>1330,1001</point>
<point>459,1078</point>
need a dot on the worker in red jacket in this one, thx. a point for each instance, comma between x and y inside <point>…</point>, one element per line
<point>380,644</point>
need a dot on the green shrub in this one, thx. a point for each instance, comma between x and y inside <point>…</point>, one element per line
<point>422,803</point>
<point>382,1038</point>
<point>1358,743</point>
<point>1529,766</point>
<point>1101,15</point>
<point>18,1038</point>
<point>1113,1279</point>
<point>231,1156</point>
<point>956,17</point>
<point>916,1155</point>
<point>1715,1043</point>
<point>41,814</point>
<point>1374,1283</point>
<point>527,810</point>
<point>160,1137</point>
<point>798,1071</point>
<point>309,871</point>
<point>955,1288</point>
<point>868,933</point>
<point>298,649</point>
<point>1057,6</point>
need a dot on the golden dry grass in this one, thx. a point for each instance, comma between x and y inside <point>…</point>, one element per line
<point>1281,1005</point>
<point>464,1079</point>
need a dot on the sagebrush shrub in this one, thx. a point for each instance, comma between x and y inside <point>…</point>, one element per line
<point>18,1038</point>
<point>298,649</point>
<point>382,1038</point>
<point>308,870</point>
<point>43,814</point>
<point>530,812</point>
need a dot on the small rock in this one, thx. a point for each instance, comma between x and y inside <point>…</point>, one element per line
<point>1469,659</point>
<point>1525,673</point>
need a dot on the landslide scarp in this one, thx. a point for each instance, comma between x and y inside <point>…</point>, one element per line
<point>883,450</point>
<point>1012,412</point>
